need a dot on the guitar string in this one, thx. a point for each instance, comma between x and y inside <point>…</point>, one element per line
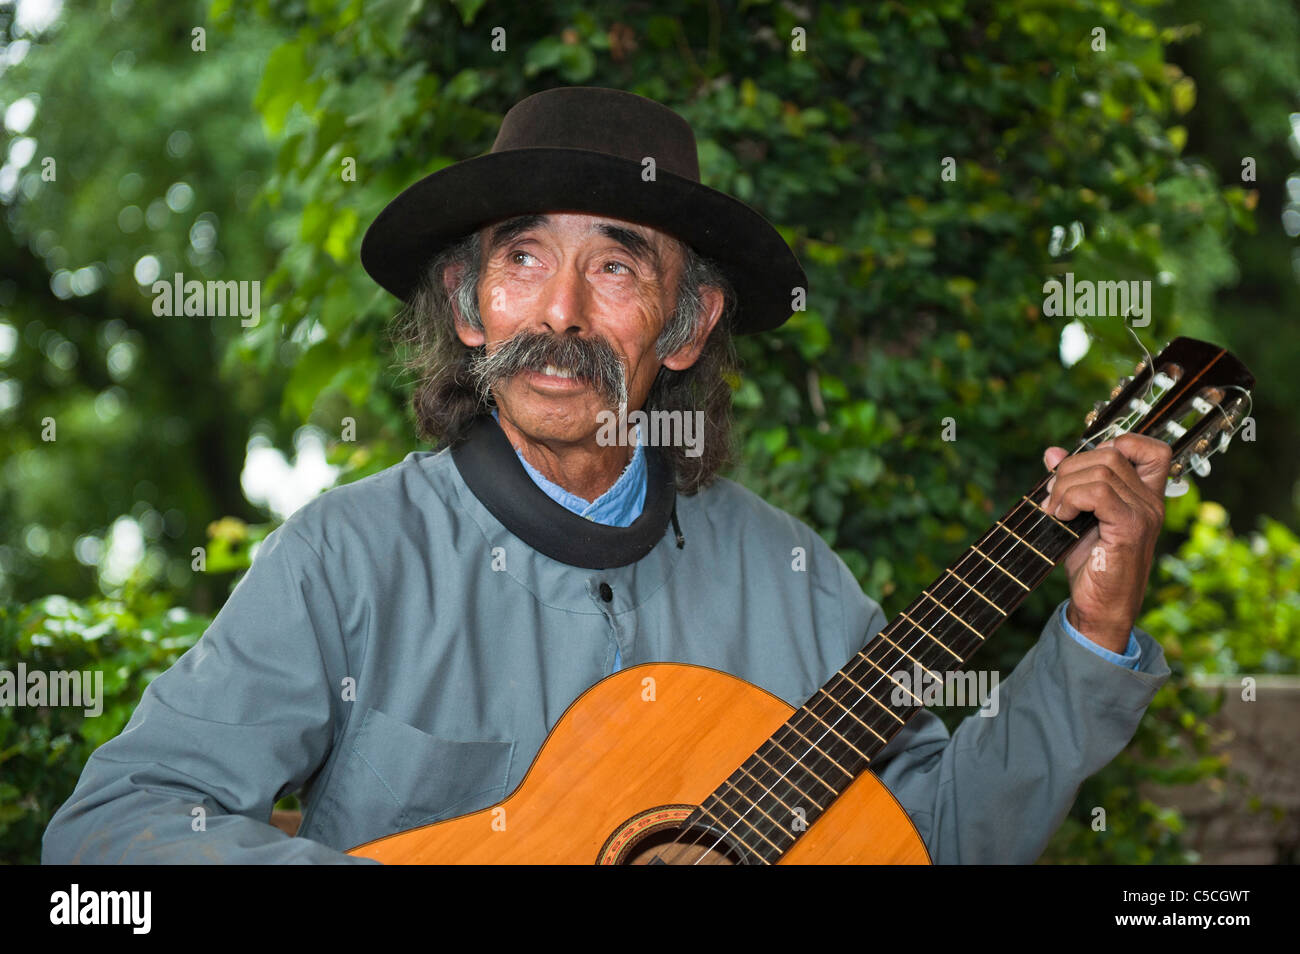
<point>1014,548</point>
<point>1149,364</point>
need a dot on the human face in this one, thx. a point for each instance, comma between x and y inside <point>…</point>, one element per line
<point>572,274</point>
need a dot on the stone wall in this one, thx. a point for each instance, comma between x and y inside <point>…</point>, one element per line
<point>1252,816</point>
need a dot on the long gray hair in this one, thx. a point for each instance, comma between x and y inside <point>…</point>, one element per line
<point>447,398</point>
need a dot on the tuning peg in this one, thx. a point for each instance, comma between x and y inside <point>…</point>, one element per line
<point>1092,415</point>
<point>1201,446</point>
<point>1123,383</point>
<point>1141,366</point>
<point>1174,486</point>
<point>1200,465</point>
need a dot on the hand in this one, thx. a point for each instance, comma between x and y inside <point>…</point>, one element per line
<point>1122,482</point>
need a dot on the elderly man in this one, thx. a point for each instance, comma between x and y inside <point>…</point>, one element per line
<point>402,645</point>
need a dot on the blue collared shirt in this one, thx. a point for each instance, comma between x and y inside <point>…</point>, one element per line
<point>622,504</point>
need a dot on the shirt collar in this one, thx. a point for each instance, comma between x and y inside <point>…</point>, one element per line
<point>493,473</point>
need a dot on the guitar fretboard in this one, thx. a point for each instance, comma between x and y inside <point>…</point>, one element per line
<point>764,806</point>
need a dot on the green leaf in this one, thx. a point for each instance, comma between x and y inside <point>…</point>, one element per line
<point>468,9</point>
<point>284,83</point>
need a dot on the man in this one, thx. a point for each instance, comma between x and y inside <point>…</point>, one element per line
<point>402,645</point>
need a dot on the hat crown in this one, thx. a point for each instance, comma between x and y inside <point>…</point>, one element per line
<point>609,121</point>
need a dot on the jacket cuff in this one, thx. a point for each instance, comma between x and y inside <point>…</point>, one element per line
<point>1127,688</point>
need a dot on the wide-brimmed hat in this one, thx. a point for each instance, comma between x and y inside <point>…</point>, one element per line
<point>584,149</point>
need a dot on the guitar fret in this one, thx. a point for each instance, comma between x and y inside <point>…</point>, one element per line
<point>730,830</point>
<point>1003,569</point>
<point>779,826</point>
<point>790,725</point>
<point>782,777</point>
<point>870,696</point>
<point>863,654</point>
<point>794,761</point>
<point>741,816</point>
<point>928,672</point>
<point>955,655</point>
<point>852,713</point>
<point>1025,542</point>
<point>956,616</point>
<point>831,729</point>
<point>975,591</point>
<point>1051,518</point>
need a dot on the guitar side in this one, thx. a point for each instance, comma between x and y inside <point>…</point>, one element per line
<point>634,753</point>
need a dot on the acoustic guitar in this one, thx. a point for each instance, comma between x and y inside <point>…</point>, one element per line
<point>717,771</point>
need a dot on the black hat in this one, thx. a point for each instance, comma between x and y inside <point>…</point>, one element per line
<point>582,149</point>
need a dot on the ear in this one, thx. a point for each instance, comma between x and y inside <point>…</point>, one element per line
<point>472,337</point>
<point>689,353</point>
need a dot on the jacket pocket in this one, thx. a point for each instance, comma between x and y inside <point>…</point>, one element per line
<point>401,777</point>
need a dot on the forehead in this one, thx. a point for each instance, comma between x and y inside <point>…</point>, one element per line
<point>580,226</point>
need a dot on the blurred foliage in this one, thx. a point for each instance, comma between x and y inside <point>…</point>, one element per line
<point>157,158</point>
<point>1221,604</point>
<point>1229,604</point>
<point>924,299</point>
<point>1247,56</point>
<point>43,749</point>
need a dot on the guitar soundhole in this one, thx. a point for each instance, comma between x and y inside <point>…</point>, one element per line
<point>657,837</point>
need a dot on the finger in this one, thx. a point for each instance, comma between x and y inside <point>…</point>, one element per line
<point>1110,501</point>
<point>1109,458</point>
<point>1150,459</point>
<point>1099,497</point>
<point>1098,473</point>
<point>1051,458</point>
<point>1118,460</point>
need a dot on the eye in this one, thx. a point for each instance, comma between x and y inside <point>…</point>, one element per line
<point>611,267</point>
<point>516,256</point>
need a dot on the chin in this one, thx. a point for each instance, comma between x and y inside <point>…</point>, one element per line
<point>566,421</point>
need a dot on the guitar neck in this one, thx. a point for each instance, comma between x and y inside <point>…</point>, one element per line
<point>793,778</point>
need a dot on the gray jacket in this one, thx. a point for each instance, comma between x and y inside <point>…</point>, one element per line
<point>399,655</point>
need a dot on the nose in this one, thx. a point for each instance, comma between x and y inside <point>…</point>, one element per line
<point>566,302</point>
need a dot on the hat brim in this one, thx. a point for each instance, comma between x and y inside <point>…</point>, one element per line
<point>449,204</point>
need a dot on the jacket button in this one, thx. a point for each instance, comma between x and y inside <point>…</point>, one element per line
<point>606,593</point>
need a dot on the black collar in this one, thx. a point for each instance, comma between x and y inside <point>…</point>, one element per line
<point>488,463</point>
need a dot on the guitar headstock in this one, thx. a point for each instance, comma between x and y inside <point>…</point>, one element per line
<point>1194,396</point>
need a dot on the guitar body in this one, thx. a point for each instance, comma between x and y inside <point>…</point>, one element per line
<point>628,761</point>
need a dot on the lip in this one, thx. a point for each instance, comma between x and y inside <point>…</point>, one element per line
<point>549,382</point>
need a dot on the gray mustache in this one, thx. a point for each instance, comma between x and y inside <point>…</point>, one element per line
<point>590,359</point>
